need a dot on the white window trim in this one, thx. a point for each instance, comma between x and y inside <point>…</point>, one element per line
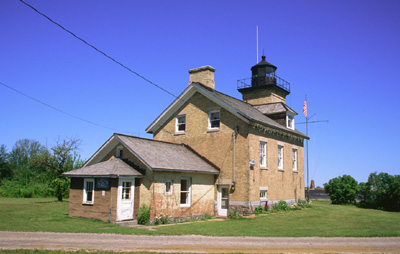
<point>177,131</point>
<point>171,184</point>
<point>209,120</point>
<point>281,159</point>
<point>288,118</point>
<point>189,191</point>
<point>263,195</point>
<point>263,157</point>
<point>117,153</point>
<point>86,180</point>
<point>294,159</point>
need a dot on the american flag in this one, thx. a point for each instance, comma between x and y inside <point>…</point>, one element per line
<point>305,108</point>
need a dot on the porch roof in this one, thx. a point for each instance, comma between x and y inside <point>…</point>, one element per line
<point>112,168</point>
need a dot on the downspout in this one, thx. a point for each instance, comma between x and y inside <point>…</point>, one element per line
<point>233,159</point>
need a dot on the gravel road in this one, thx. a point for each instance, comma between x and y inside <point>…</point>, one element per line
<point>194,243</point>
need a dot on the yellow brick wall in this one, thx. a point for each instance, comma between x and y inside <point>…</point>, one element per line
<point>215,146</point>
<point>202,195</point>
<point>283,184</point>
<point>263,96</point>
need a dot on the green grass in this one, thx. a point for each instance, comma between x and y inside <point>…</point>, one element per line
<point>324,220</point>
<point>20,251</point>
<point>49,215</point>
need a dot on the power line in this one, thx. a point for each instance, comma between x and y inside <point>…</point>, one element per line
<point>59,110</point>
<point>101,52</point>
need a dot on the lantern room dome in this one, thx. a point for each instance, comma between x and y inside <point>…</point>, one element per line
<point>263,67</point>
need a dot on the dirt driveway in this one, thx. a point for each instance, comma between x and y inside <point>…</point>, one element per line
<point>194,243</point>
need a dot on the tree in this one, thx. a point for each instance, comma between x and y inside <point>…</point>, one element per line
<point>381,191</point>
<point>342,189</point>
<point>21,159</point>
<point>5,168</point>
<point>61,158</point>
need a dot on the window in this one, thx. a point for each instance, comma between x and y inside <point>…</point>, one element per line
<point>290,121</point>
<point>168,187</point>
<point>88,191</point>
<point>185,192</point>
<point>126,190</point>
<point>181,123</point>
<point>213,120</point>
<point>263,194</point>
<point>294,159</point>
<point>263,154</point>
<point>280,157</point>
<point>120,152</point>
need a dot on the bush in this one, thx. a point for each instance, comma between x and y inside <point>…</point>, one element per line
<point>234,214</point>
<point>15,189</point>
<point>281,206</point>
<point>143,215</point>
<point>206,217</point>
<point>258,210</point>
<point>304,203</point>
<point>381,191</point>
<point>342,189</point>
<point>164,219</point>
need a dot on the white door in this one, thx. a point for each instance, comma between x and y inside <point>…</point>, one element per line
<point>223,200</point>
<point>126,188</point>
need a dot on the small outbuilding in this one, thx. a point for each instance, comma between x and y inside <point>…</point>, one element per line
<point>127,172</point>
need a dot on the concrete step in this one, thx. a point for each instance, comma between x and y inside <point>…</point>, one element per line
<point>127,223</point>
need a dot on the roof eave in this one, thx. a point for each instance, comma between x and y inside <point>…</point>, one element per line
<point>185,171</point>
<point>175,105</point>
<point>101,176</point>
<point>289,132</point>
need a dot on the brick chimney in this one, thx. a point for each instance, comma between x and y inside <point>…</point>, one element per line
<point>204,75</point>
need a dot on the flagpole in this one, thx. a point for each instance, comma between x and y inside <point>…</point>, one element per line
<point>305,114</point>
<point>308,174</point>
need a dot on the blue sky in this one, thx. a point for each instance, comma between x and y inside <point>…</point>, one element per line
<point>344,55</point>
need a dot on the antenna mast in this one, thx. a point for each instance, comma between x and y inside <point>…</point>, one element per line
<point>257,44</point>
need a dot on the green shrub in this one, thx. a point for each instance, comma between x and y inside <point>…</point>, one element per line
<point>234,214</point>
<point>342,189</point>
<point>15,189</point>
<point>258,210</point>
<point>381,191</point>
<point>295,206</point>
<point>304,203</point>
<point>143,215</point>
<point>164,219</point>
<point>281,206</point>
<point>206,217</point>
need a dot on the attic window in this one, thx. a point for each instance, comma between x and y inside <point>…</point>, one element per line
<point>181,124</point>
<point>290,121</point>
<point>214,120</point>
<point>120,152</point>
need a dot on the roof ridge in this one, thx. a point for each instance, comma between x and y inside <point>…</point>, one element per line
<point>148,139</point>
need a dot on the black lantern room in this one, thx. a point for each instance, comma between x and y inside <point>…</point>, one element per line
<point>263,83</point>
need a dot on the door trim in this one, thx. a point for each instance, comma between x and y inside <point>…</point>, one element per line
<point>222,212</point>
<point>119,198</point>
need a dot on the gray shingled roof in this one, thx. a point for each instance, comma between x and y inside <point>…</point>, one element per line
<point>113,167</point>
<point>274,108</point>
<point>165,156</point>
<point>251,112</point>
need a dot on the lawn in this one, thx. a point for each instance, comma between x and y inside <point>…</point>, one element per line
<point>49,215</point>
<point>21,251</point>
<point>324,220</point>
